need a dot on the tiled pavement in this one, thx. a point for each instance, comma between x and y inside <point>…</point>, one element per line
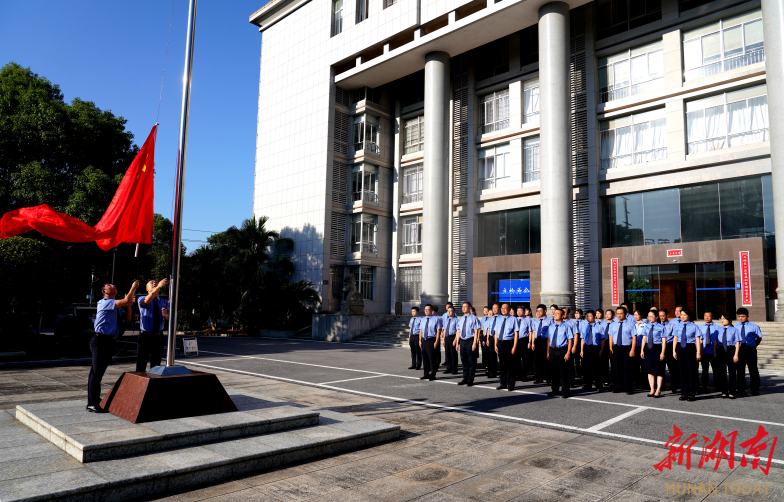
<point>441,456</point>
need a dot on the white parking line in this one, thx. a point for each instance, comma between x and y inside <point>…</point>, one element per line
<point>454,408</point>
<point>351,379</point>
<point>607,423</point>
<point>541,394</point>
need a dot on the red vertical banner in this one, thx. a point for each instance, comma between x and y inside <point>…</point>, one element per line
<point>616,300</point>
<point>745,279</point>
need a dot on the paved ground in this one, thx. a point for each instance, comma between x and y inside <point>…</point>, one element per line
<point>461,444</point>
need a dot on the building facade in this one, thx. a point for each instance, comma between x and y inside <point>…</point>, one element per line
<point>528,151</point>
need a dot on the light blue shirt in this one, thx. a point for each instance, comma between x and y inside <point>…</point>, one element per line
<point>505,328</point>
<point>687,333</point>
<point>106,322</point>
<point>428,326</point>
<point>489,325</point>
<point>732,337</point>
<point>450,325</point>
<point>581,327</point>
<point>654,334</point>
<point>595,335</point>
<point>708,334</point>
<point>467,324</point>
<point>560,334</point>
<point>147,314</point>
<point>640,329</point>
<point>539,326</point>
<point>749,332</point>
<point>413,326</point>
<point>523,327</point>
<point>622,332</point>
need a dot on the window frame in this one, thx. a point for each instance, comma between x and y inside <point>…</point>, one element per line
<point>363,225</point>
<point>409,284</point>
<point>337,17</point>
<point>529,86</point>
<point>486,183</point>
<point>631,88</point>
<point>531,151</point>
<point>363,183</point>
<point>363,10</point>
<point>497,102</point>
<point>412,226</point>
<point>724,63</point>
<point>417,122</point>
<point>417,173</point>
<point>364,276</point>
<point>650,116</point>
<point>369,128</point>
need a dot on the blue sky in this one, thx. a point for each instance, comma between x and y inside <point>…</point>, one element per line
<point>112,53</point>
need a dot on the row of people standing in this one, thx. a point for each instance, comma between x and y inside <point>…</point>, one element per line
<point>612,348</point>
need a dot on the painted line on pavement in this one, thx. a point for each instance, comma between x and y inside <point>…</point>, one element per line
<point>611,421</point>
<point>540,394</point>
<point>455,408</point>
<point>351,379</point>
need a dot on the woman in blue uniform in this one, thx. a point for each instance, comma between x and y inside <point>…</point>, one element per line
<point>654,344</point>
<point>726,347</point>
<point>687,344</point>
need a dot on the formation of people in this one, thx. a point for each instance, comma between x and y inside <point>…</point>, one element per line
<point>617,349</point>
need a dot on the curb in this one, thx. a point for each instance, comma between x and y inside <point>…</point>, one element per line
<point>62,362</point>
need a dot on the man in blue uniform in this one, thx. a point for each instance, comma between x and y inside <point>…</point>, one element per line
<point>450,333</point>
<point>491,356</point>
<point>623,342</point>
<point>751,337</point>
<point>468,335</point>
<point>524,331</point>
<point>709,331</point>
<point>539,335</point>
<point>578,326</point>
<point>429,331</point>
<point>107,324</point>
<point>591,352</point>
<point>560,336</point>
<point>153,311</point>
<point>413,340</point>
<point>669,359</point>
<point>506,346</point>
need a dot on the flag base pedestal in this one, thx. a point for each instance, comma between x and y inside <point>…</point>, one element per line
<point>146,397</point>
<point>169,370</point>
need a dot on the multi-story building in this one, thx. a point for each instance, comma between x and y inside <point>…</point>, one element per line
<point>570,152</point>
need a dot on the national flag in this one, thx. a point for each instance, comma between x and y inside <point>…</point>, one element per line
<point>128,218</point>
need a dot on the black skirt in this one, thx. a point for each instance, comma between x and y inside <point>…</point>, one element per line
<point>653,365</point>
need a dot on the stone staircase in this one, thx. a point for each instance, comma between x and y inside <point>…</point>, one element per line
<point>770,354</point>
<point>393,333</point>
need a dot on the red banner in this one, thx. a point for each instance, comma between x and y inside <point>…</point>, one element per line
<point>614,272</point>
<point>745,279</point>
<point>674,252</point>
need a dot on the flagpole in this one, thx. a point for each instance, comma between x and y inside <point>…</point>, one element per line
<point>177,246</point>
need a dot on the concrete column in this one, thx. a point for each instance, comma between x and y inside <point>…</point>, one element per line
<point>773,31</point>
<point>435,196</point>
<point>556,169</point>
<point>673,70</point>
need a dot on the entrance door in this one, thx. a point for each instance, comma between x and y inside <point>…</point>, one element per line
<point>715,288</point>
<point>677,283</point>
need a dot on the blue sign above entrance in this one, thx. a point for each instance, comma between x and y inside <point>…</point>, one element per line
<point>513,290</point>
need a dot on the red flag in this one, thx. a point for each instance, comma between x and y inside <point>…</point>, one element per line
<point>128,218</point>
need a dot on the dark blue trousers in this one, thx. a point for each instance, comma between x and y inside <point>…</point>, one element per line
<point>689,366</point>
<point>468,359</point>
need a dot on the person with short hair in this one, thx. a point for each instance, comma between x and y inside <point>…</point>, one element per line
<point>708,332</point>
<point>523,330</point>
<point>560,335</point>
<point>591,350</point>
<point>467,339</point>
<point>450,335</point>
<point>688,347</point>
<point>727,348</point>
<point>107,318</point>
<point>751,337</point>
<point>539,338</point>
<point>153,311</point>
<point>669,359</point>
<point>413,340</point>
<point>653,349</point>
<point>440,338</point>
<point>623,341</point>
<point>506,346</point>
<point>489,352</point>
<point>429,331</point>
<point>637,362</point>
<point>578,326</point>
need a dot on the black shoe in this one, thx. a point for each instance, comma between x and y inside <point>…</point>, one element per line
<point>755,393</point>
<point>552,394</point>
<point>599,389</point>
<point>616,391</point>
<point>510,389</point>
<point>741,394</point>
<point>586,387</point>
<point>538,381</point>
<point>731,396</point>
<point>703,390</point>
<point>470,383</point>
<point>691,399</point>
<point>454,372</point>
<point>500,387</point>
<point>424,377</point>
<point>419,367</point>
<point>629,392</point>
<point>682,398</point>
<point>432,378</point>
<point>675,391</point>
<point>412,367</point>
<point>566,395</point>
<point>95,409</point>
<point>461,382</point>
<point>724,396</point>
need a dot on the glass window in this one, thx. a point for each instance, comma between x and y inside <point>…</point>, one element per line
<point>631,72</point>
<point>510,232</point>
<point>409,288</point>
<point>362,10</point>
<point>731,119</point>
<point>531,154</point>
<point>493,163</point>
<point>513,288</point>
<point>363,233</point>
<point>364,182</point>
<point>492,59</point>
<point>389,3</point>
<point>412,184</point>
<point>363,278</point>
<point>529,45</point>
<point>494,111</point>
<point>531,100</point>
<point>700,213</point>
<point>767,198</point>
<point>661,213</point>
<point>415,134</point>
<point>728,44</point>
<point>366,133</point>
<point>336,280</point>
<point>634,139</point>
<point>412,235</point>
<point>624,220</point>
<point>337,17</point>
<point>617,16</point>
<point>742,212</point>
